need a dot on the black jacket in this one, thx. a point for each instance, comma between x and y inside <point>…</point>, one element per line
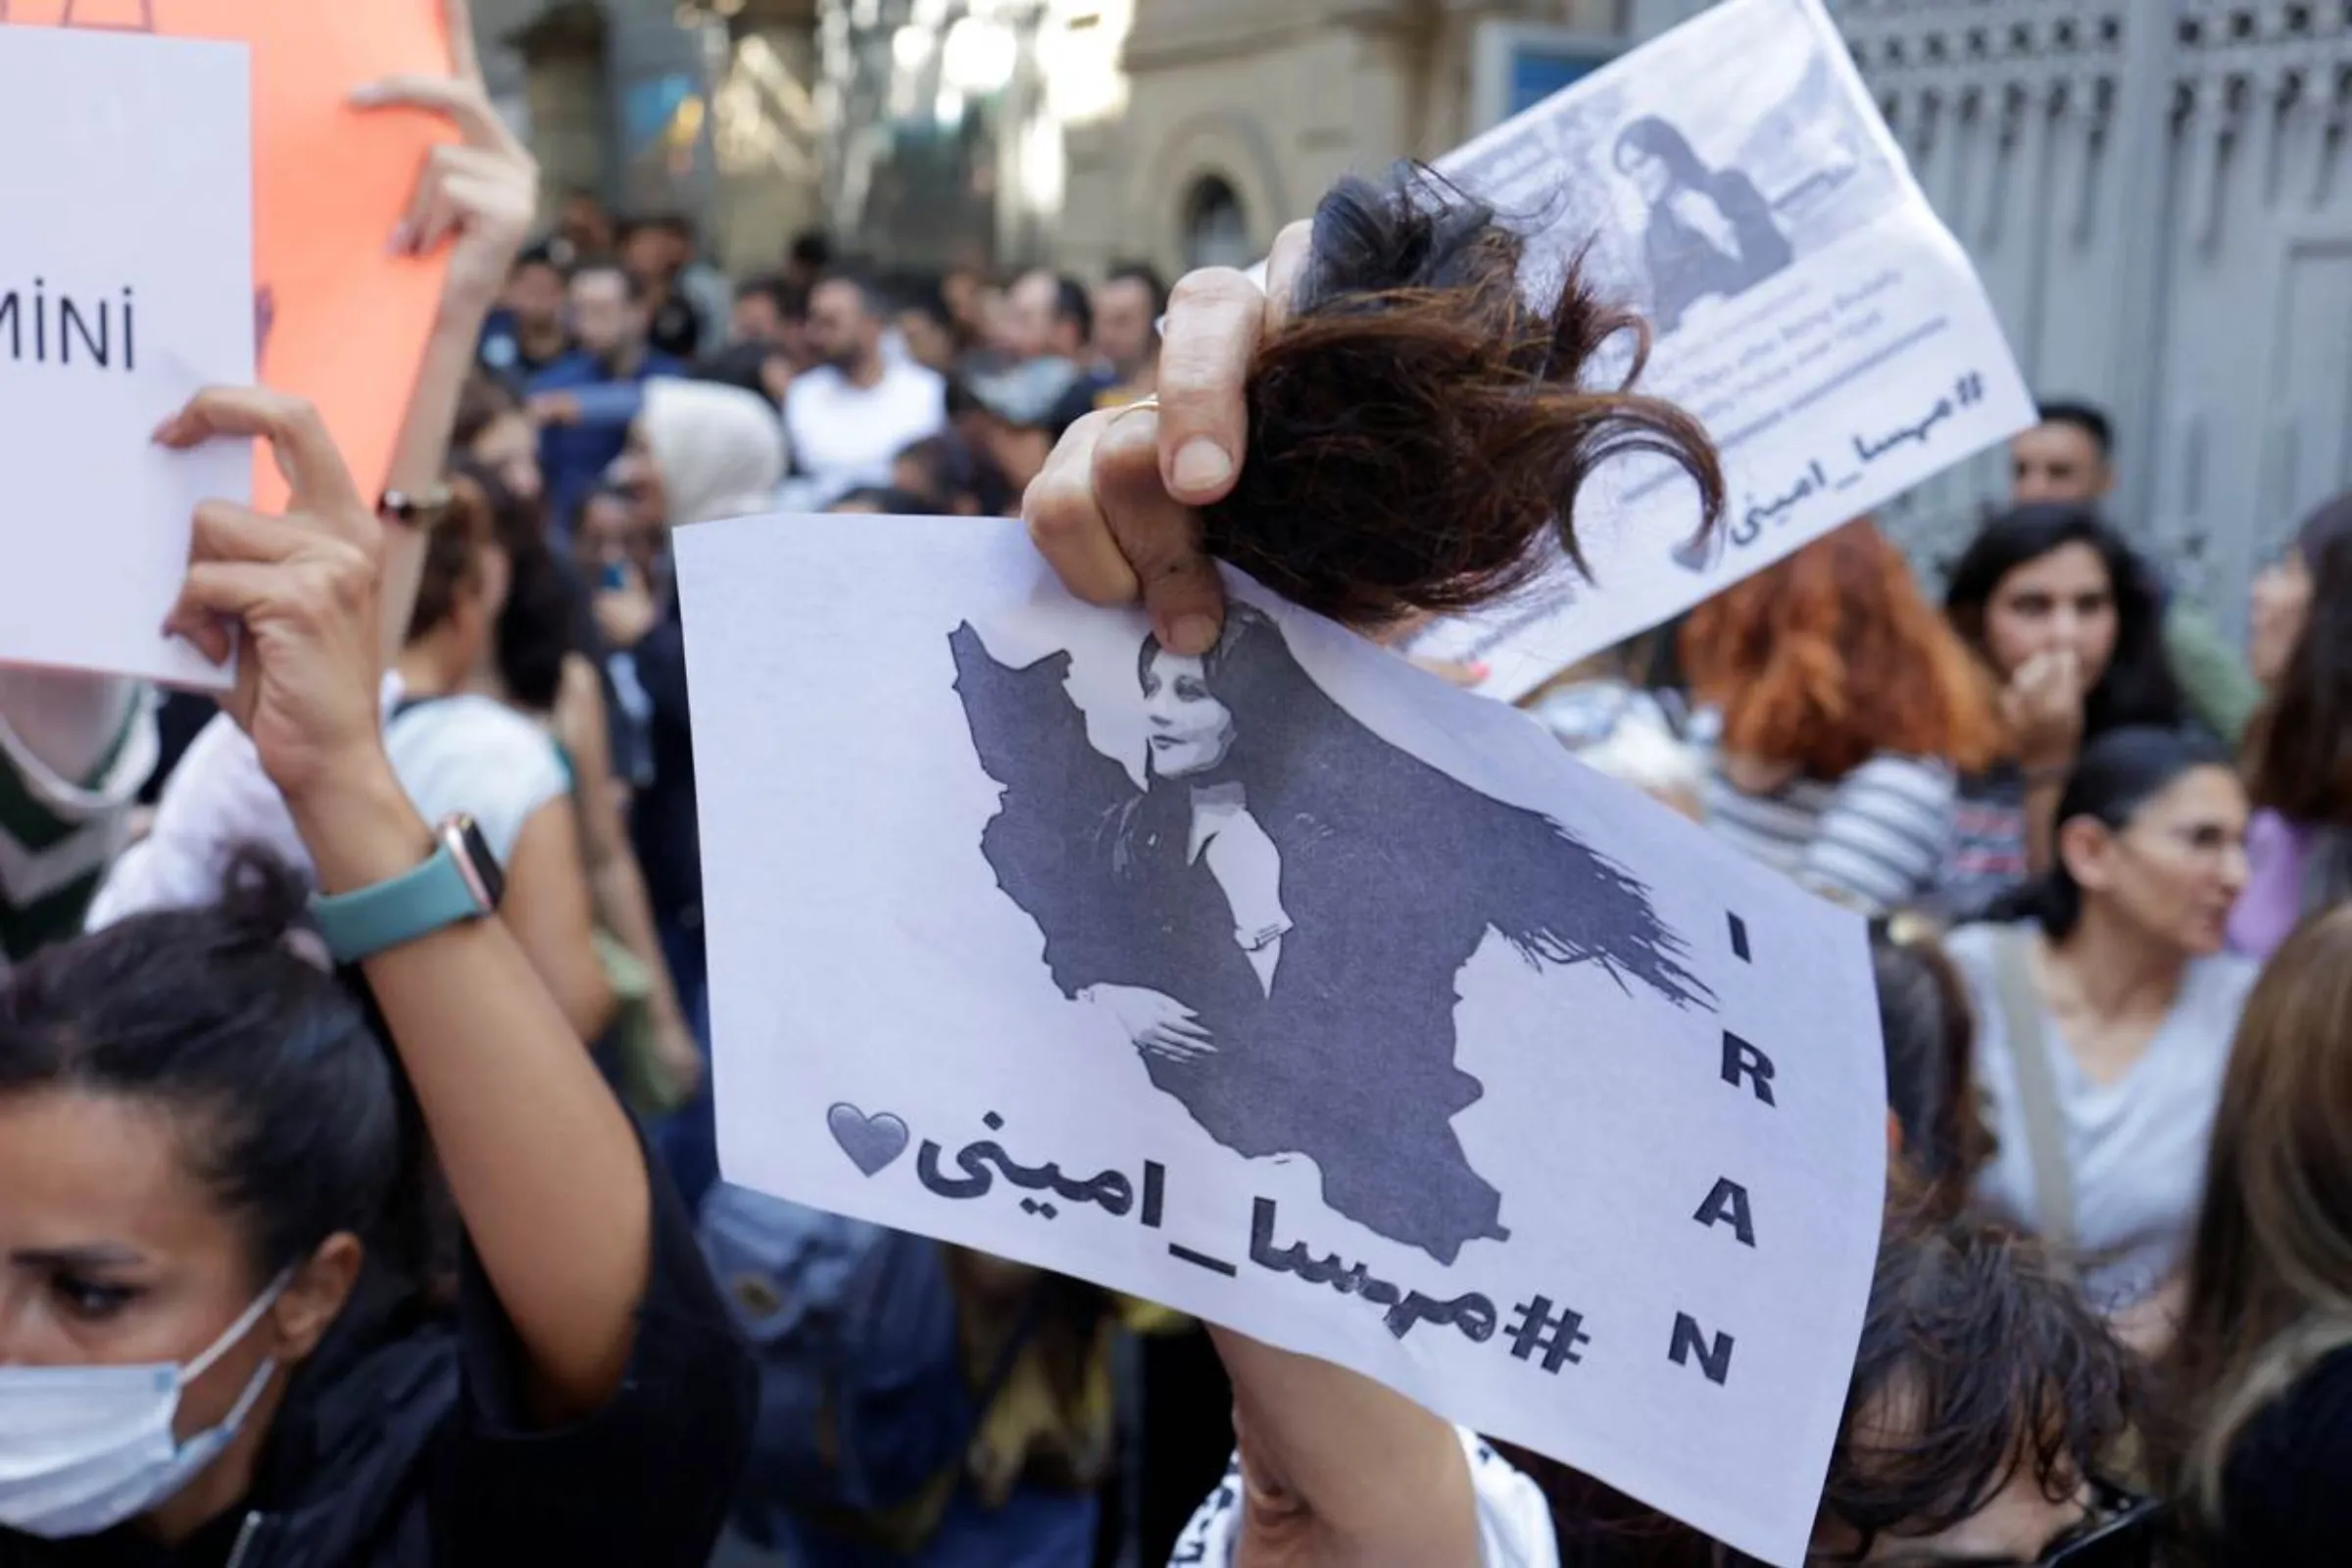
<point>401,1446</point>
<point>2284,1503</point>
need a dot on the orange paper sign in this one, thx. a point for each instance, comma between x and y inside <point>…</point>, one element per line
<point>339,318</point>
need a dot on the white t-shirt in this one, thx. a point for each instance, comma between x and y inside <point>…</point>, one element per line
<point>845,437</point>
<point>1514,1523</point>
<point>479,758</point>
<point>2135,1147</point>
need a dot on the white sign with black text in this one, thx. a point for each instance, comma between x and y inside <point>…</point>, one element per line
<point>1289,987</point>
<point>1732,181</point>
<point>125,285</point>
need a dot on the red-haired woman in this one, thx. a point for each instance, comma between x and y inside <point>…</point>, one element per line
<point>1847,710</point>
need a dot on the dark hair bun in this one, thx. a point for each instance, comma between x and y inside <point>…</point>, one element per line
<point>1418,430</point>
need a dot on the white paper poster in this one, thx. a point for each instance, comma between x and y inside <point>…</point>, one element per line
<point>125,285</point>
<point>1733,181</point>
<point>1289,987</point>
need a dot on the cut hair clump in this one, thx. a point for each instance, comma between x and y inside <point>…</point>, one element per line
<point>1419,431</point>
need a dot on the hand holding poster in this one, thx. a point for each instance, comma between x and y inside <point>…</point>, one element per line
<point>1733,180</point>
<point>126,284</point>
<point>338,317</point>
<point>1290,988</point>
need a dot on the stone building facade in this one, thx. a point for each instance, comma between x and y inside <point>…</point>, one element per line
<point>704,109</point>
<point>1240,113</point>
<point>1171,130</point>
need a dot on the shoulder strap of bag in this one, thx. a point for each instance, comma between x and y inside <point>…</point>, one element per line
<point>2036,1092</point>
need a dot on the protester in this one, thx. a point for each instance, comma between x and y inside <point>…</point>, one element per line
<point>1051,317</point>
<point>1127,305</point>
<point>858,409</point>
<point>939,471</point>
<point>654,253</point>
<point>2056,606</point>
<point>476,198</point>
<point>1024,412</point>
<point>580,437</point>
<point>457,752</point>
<point>760,312</point>
<point>539,667</point>
<point>75,751</point>
<point>2068,459</point>
<point>927,327</point>
<point>527,333</point>
<point>808,259</point>
<point>1935,1126</point>
<point>2299,773</point>
<point>922,1405</point>
<point>1846,711</point>
<point>583,229</point>
<point>2104,1009</point>
<point>883,501</point>
<point>260,1382</point>
<point>2258,1374</point>
<point>1987,1422</point>
<point>493,432</point>
<point>698,452</point>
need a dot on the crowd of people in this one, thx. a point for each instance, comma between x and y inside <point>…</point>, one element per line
<point>328,1239</point>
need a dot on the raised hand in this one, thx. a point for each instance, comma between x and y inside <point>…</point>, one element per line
<point>1113,510</point>
<point>303,587</point>
<point>483,188</point>
<point>2042,706</point>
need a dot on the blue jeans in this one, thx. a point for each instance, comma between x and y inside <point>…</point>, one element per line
<point>688,1141</point>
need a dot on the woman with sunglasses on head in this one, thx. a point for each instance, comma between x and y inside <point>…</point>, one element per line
<point>2104,1006</point>
<point>212,1354</point>
<point>2260,1376</point>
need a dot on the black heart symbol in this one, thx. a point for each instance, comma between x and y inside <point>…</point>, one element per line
<point>870,1142</point>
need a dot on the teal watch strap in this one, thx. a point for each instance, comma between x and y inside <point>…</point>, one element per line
<point>367,921</point>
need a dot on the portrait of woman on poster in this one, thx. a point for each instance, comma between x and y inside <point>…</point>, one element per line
<point>1277,918</point>
<point>1711,232</point>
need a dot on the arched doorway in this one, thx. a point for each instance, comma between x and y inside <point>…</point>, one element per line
<point>1217,227</point>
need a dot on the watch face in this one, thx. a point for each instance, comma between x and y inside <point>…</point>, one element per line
<point>481,868</point>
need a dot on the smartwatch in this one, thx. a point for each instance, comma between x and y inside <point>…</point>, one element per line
<point>461,882</point>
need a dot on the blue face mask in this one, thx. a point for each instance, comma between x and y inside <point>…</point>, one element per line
<point>84,1447</point>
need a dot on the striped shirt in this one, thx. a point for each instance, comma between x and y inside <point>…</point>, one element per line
<point>1874,839</point>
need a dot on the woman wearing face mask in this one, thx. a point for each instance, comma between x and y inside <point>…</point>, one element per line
<point>2299,746</point>
<point>2105,1007</point>
<point>2062,614</point>
<point>210,1353</point>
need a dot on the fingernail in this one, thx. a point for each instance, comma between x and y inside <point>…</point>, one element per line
<point>1480,669</point>
<point>404,239</point>
<point>367,94</point>
<point>1190,636</point>
<point>1202,464</point>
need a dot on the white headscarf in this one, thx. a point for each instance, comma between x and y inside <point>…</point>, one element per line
<point>721,449</point>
